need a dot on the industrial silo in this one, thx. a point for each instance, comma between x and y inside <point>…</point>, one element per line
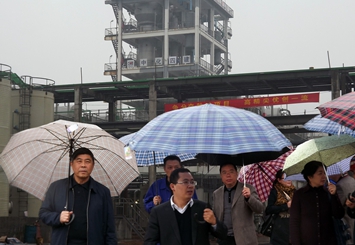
<point>5,134</point>
<point>41,111</point>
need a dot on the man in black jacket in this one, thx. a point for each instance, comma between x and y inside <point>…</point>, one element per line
<point>183,220</point>
<point>89,201</point>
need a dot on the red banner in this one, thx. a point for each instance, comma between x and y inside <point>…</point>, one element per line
<point>252,102</point>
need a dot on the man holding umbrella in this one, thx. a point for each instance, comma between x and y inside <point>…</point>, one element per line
<point>90,217</point>
<point>234,203</point>
<point>160,192</point>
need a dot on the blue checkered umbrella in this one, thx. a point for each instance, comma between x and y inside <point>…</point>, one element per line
<point>321,124</point>
<point>209,129</point>
<point>148,158</point>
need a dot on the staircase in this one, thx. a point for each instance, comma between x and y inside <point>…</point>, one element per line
<point>135,217</point>
<point>25,104</point>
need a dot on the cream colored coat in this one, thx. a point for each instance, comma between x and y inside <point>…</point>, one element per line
<point>242,213</point>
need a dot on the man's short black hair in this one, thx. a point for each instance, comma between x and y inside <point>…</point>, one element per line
<point>225,164</point>
<point>174,176</point>
<point>82,151</point>
<point>171,158</point>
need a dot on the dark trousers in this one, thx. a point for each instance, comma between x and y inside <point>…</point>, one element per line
<point>228,241</point>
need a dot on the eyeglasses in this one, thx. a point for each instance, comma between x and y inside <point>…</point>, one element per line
<point>187,182</point>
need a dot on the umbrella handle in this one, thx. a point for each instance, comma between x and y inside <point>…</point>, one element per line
<point>71,219</point>
<point>196,215</point>
<point>197,220</point>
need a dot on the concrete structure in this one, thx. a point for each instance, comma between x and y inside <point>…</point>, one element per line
<point>169,38</point>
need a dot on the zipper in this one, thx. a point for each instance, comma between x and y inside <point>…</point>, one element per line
<point>87,218</point>
<point>72,208</point>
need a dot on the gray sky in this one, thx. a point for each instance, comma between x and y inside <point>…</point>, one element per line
<point>53,39</point>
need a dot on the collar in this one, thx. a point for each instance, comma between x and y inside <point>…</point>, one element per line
<point>86,185</point>
<point>231,189</point>
<point>167,182</point>
<point>180,210</point>
<point>308,187</point>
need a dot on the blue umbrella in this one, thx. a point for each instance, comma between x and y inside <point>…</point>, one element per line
<point>321,124</point>
<point>210,129</point>
<point>148,158</point>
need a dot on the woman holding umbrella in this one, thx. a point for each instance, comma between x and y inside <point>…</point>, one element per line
<point>279,203</point>
<point>313,208</point>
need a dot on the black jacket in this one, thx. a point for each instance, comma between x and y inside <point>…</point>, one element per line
<point>163,227</point>
<point>101,225</point>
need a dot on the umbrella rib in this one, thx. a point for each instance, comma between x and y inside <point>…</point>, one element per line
<point>81,131</point>
<point>265,175</point>
<point>54,133</point>
<point>263,170</point>
<point>96,137</point>
<point>103,148</point>
<point>76,143</point>
<point>39,140</point>
<point>59,159</point>
<point>108,176</point>
<point>65,150</point>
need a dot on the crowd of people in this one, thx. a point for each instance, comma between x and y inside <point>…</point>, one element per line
<point>303,216</point>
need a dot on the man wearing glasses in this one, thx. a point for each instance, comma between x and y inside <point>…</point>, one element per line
<point>160,192</point>
<point>183,220</point>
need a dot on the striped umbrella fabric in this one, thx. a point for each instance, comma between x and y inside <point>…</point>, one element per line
<point>36,157</point>
<point>148,158</point>
<point>340,110</point>
<point>209,128</point>
<point>262,175</point>
<point>325,125</point>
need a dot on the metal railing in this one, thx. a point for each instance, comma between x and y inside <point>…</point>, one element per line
<point>128,210</point>
<point>92,116</point>
<point>225,7</point>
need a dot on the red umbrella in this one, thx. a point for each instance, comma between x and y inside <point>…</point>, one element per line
<point>261,175</point>
<point>340,110</point>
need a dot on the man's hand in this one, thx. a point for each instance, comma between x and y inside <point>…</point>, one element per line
<point>65,216</point>
<point>332,188</point>
<point>246,192</point>
<point>157,200</point>
<point>289,204</point>
<point>350,203</point>
<point>209,217</point>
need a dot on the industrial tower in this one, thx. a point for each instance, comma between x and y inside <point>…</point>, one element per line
<point>169,38</point>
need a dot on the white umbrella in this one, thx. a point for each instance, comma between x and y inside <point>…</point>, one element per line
<point>36,157</point>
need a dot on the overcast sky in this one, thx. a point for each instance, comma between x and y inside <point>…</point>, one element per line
<point>55,38</point>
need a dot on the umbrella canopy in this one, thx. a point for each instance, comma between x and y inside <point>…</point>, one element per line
<point>340,110</point>
<point>36,157</point>
<point>328,150</point>
<point>148,158</point>
<point>338,168</point>
<point>209,129</point>
<point>261,175</point>
<point>325,125</point>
